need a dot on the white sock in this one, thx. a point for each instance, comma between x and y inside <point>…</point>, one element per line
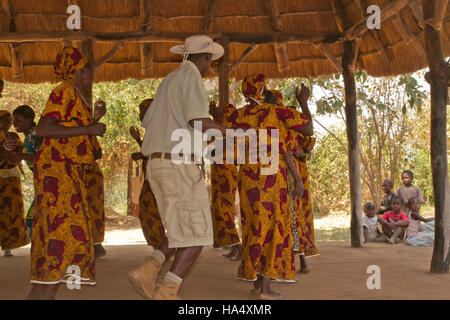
<point>172,278</point>
<point>158,256</point>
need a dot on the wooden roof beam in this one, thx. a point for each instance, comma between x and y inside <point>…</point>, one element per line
<point>281,49</point>
<point>145,49</point>
<point>109,55</point>
<point>338,11</point>
<point>211,13</point>
<point>407,35</point>
<point>15,48</point>
<point>331,57</point>
<point>243,56</point>
<point>440,10</point>
<point>417,11</point>
<point>387,12</point>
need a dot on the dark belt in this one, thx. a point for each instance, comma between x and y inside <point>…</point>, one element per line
<point>167,156</point>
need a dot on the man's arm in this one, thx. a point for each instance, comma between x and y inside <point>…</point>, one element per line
<point>208,123</point>
<point>417,216</point>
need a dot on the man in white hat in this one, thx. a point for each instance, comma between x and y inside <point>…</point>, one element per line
<point>180,190</point>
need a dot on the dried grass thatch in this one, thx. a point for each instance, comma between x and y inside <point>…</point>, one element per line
<point>397,48</point>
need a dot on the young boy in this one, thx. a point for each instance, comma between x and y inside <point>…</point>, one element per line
<point>419,234</point>
<point>395,222</point>
<point>370,224</point>
<point>408,190</point>
<point>386,203</point>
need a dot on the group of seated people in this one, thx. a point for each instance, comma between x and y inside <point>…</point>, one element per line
<point>398,218</point>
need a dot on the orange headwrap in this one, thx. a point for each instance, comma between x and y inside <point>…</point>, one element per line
<point>68,61</point>
<point>4,113</point>
<point>254,87</point>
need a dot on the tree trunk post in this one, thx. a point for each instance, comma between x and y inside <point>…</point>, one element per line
<point>353,143</point>
<point>224,74</point>
<point>438,81</point>
<point>86,48</point>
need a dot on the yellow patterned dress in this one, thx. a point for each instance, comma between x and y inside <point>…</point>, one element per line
<point>223,193</point>
<point>62,241</point>
<point>13,232</point>
<point>266,220</point>
<point>151,223</point>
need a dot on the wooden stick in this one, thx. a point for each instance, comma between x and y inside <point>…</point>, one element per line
<point>333,59</point>
<point>407,35</point>
<point>210,15</point>
<point>224,74</point>
<point>175,37</point>
<point>145,49</point>
<point>109,55</point>
<point>440,262</point>
<point>88,51</point>
<point>274,14</point>
<point>243,56</point>
<point>338,14</point>
<point>417,11</point>
<point>353,144</point>
<point>440,10</point>
<point>387,12</point>
<point>16,60</point>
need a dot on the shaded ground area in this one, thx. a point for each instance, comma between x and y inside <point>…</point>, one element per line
<point>338,273</point>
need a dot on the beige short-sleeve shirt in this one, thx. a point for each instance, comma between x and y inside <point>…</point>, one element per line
<point>180,98</point>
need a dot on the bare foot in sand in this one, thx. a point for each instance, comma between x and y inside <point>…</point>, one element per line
<point>304,267</point>
<point>7,253</point>
<point>99,251</point>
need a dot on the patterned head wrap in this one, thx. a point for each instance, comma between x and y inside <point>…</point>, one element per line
<point>4,113</point>
<point>68,61</point>
<point>278,95</point>
<point>254,87</point>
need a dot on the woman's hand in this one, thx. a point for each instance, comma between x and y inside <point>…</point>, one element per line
<point>299,188</point>
<point>97,129</point>
<point>99,110</point>
<point>135,134</point>
<point>216,112</point>
<point>302,95</point>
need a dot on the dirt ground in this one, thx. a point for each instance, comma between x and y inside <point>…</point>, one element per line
<point>338,273</point>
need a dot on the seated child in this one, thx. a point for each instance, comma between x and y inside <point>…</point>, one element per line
<point>370,224</point>
<point>386,203</point>
<point>408,190</point>
<point>419,234</point>
<point>395,222</point>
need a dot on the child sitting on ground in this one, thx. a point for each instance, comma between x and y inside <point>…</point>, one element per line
<point>419,234</point>
<point>370,224</point>
<point>395,222</point>
<point>386,203</point>
<point>408,190</point>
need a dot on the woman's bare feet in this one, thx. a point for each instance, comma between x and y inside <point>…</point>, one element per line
<point>230,252</point>
<point>237,252</point>
<point>7,253</point>
<point>266,291</point>
<point>43,292</point>
<point>304,267</point>
<point>99,251</point>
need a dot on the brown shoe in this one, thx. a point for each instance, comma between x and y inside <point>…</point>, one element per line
<point>167,291</point>
<point>144,277</point>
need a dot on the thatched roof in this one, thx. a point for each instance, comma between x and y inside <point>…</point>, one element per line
<point>312,34</point>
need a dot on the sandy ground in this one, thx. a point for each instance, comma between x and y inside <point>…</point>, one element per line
<point>338,273</point>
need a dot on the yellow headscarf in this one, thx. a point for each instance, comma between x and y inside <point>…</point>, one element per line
<point>254,87</point>
<point>68,61</point>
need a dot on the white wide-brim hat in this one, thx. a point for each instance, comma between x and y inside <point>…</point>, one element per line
<point>199,44</point>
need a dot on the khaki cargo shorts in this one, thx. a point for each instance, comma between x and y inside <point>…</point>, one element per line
<point>183,202</point>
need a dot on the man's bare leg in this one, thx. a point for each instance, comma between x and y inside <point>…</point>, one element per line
<point>304,267</point>
<point>43,292</point>
<point>184,260</point>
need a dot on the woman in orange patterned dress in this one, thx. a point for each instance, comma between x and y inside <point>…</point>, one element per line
<point>13,231</point>
<point>266,222</point>
<point>223,194</point>
<point>151,223</point>
<point>62,241</point>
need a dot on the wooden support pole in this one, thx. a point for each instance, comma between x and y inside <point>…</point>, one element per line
<point>88,51</point>
<point>224,73</point>
<point>440,262</point>
<point>353,143</point>
<point>440,10</point>
<point>15,48</point>
<point>145,49</point>
<point>211,13</point>
<point>387,12</point>
<point>333,59</point>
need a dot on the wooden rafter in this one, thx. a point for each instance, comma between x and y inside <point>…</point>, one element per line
<point>409,37</point>
<point>243,56</point>
<point>175,37</point>
<point>358,29</point>
<point>109,55</point>
<point>385,56</point>
<point>417,11</point>
<point>15,48</point>
<point>331,57</point>
<point>281,49</point>
<point>145,49</point>
<point>440,10</point>
<point>338,14</point>
<point>211,13</point>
